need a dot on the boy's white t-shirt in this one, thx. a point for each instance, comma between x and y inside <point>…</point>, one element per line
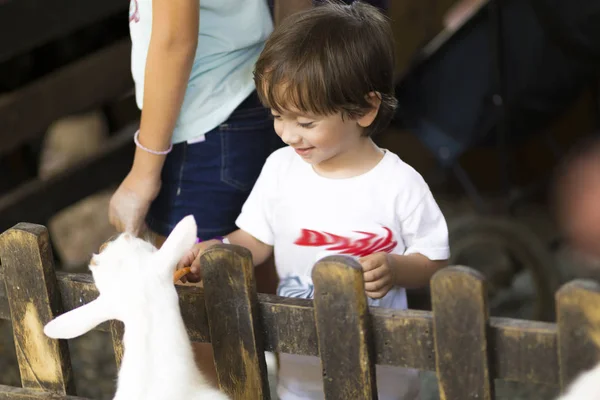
<point>306,217</point>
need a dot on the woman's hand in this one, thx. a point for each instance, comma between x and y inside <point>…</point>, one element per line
<point>130,203</point>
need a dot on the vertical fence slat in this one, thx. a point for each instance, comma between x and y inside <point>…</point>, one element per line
<point>117,329</point>
<point>578,319</point>
<point>460,321</point>
<point>343,329</point>
<point>33,297</point>
<point>232,309</point>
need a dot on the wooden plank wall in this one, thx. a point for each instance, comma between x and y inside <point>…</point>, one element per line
<point>30,23</point>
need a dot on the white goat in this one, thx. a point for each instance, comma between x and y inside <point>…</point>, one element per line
<point>585,387</point>
<point>135,281</point>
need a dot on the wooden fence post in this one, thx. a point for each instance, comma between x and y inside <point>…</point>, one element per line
<point>460,322</point>
<point>117,329</point>
<point>232,309</point>
<point>578,320</point>
<point>343,329</point>
<point>34,300</point>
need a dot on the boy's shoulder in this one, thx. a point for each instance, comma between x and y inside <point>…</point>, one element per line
<point>403,182</point>
<point>400,173</point>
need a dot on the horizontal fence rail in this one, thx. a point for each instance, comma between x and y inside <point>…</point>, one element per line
<point>402,337</point>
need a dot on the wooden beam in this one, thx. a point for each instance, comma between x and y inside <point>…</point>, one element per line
<point>15,393</point>
<point>461,320</point>
<point>4,308</point>
<point>514,341</point>
<point>37,200</point>
<point>521,351</point>
<point>578,322</point>
<point>232,310</point>
<point>342,311</point>
<point>82,85</point>
<point>117,331</point>
<point>30,23</point>
<point>44,363</point>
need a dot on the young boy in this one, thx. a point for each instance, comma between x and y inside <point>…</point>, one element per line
<point>327,76</point>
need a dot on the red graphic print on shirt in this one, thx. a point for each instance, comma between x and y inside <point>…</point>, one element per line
<point>370,243</point>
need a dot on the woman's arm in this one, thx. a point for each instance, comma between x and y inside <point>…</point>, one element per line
<point>171,53</point>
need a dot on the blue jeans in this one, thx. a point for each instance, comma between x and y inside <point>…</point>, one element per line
<point>212,179</point>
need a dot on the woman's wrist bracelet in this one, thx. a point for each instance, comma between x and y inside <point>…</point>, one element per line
<point>136,140</point>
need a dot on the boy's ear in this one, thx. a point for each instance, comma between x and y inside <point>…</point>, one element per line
<point>374,98</point>
<point>78,321</point>
<point>181,239</point>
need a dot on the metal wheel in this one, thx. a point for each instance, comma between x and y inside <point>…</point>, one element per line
<point>521,274</point>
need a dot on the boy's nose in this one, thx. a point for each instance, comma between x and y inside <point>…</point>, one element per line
<point>289,137</point>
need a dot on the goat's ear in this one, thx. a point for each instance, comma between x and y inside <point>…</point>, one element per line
<point>181,239</point>
<point>78,321</point>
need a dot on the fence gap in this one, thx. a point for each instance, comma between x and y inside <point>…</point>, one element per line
<point>460,322</point>
<point>34,300</point>
<point>578,320</point>
<point>232,308</point>
<point>343,329</point>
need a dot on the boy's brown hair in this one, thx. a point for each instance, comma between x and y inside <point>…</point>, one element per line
<point>328,59</point>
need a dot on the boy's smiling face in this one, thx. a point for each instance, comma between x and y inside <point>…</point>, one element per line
<point>317,139</point>
<point>327,75</point>
<point>327,142</point>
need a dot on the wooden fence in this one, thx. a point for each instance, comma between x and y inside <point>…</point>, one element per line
<point>466,348</point>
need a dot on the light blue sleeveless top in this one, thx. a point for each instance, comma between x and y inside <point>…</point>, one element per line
<point>232,35</point>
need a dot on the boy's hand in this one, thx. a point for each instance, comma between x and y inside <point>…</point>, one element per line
<point>377,274</point>
<point>192,259</point>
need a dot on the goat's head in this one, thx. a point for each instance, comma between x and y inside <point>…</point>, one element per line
<point>128,272</point>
